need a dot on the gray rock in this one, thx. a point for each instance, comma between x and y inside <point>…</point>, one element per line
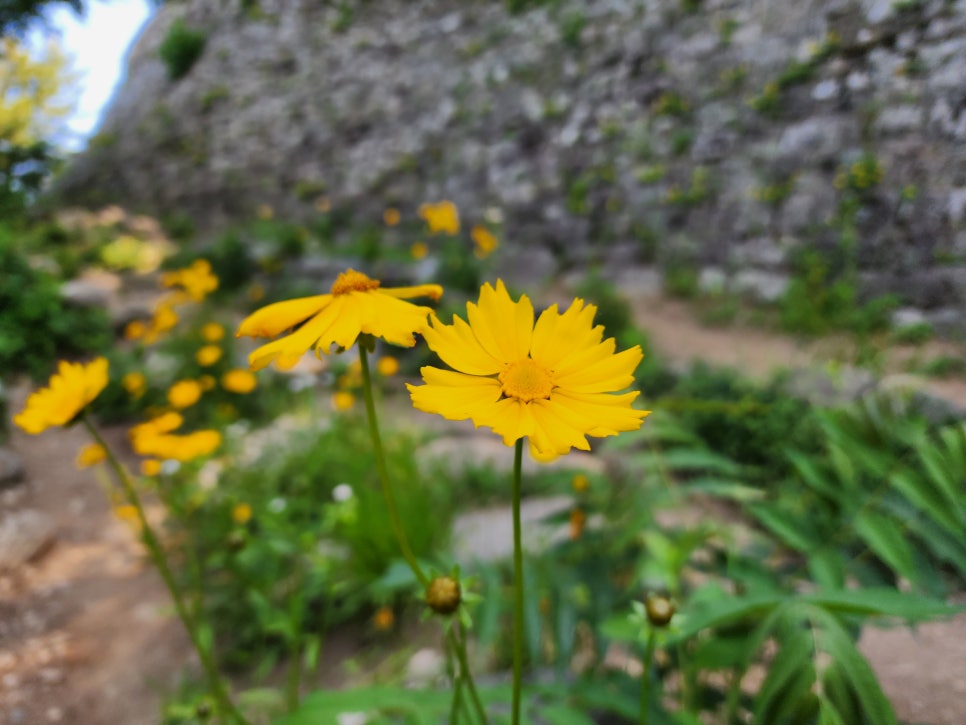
<point>11,468</point>
<point>819,139</point>
<point>900,119</point>
<point>83,293</point>
<point>760,285</point>
<point>823,387</point>
<point>908,317</point>
<point>956,207</point>
<point>485,450</point>
<point>24,535</point>
<point>487,534</point>
<point>825,90</point>
<point>712,280</point>
<point>640,281</point>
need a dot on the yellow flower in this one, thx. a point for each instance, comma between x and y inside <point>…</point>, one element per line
<point>164,423</point>
<point>91,454</point>
<point>128,513</point>
<point>384,619</point>
<point>134,383</point>
<point>207,382</point>
<point>441,217</point>
<point>239,381</point>
<point>322,204</point>
<point>419,250</point>
<point>164,320</point>
<point>265,212</point>
<point>212,332</point>
<point>184,394</point>
<point>182,448</point>
<point>196,281</point>
<point>484,241</point>
<point>391,217</point>
<point>580,482</point>
<point>208,355</point>
<point>387,366</point>
<point>69,391</point>
<point>241,514</point>
<point>356,304</point>
<point>343,400</point>
<point>150,467</point>
<point>553,382</point>
<point>134,330</point>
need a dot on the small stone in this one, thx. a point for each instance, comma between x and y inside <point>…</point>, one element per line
<point>11,468</point>
<point>712,280</point>
<point>763,286</point>
<point>424,667</point>
<point>908,317</point>
<point>10,680</point>
<point>55,714</point>
<point>23,535</point>
<point>51,675</point>
<point>825,90</point>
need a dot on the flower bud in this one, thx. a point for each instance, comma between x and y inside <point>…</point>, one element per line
<point>659,609</point>
<point>443,595</point>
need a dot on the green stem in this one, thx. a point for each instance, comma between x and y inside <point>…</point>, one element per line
<point>459,645</point>
<point>156,551</point>
<point>646,675</point>
<point>517,582</point>
<point>295,650</point>
<point>387,493</point>
<point>457,675</point>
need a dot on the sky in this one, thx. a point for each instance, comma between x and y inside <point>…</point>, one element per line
<point>98,42</point>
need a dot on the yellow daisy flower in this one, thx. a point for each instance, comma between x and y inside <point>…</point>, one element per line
<point>391,217</point>
<point>387,366</point>
<point>90,455</point>
<point>70,390</point>
<point>441,217</point>
<point>180,447</point>
<point>196,281</point>
<point>484,240</point>
<point>553,383</point>
<point>208,355</point>
<point>212,332</point>
<point>241,513</point>
<point>184,394</point>
<point>239,381</point>
<point>418,250</point>
<point>355,305</point>
<point>134,383</point>
<point>135,330</point>
<point>150,467</point>
<point>343,400</point>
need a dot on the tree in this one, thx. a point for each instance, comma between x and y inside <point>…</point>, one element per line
<point>16,15</point>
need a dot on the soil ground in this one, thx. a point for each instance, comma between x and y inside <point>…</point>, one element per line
<point>86,632</point>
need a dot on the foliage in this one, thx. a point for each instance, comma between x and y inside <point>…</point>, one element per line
<point>16,15</point>
<point>37,326</point>
<point>181,47</point>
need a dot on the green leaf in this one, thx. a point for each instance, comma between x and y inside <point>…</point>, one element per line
<point>827,714</point>
<point>806,468</point>
<point>921,495</point>
<point>700,459</point>
<point>826,568</point>
<point>790,529</point>
<point>883,602</point>
<point>709,614</point>
<point>887,540</point>
<point>723,488</point>
<point>783,681</point>
<point>945,480</point>
<point>564,715</point>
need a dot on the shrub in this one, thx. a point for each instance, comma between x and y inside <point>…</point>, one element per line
<point>181,47</point>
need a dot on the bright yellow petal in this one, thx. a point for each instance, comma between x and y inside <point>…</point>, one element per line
<point>394,320</point>
<point>276,318</point>
<point>433,291</point>
<point>598,414</point>
<point>605,374</point>
<point>458,347</point>
<point>557,336</point>
<point>453,395</point>
<point>503,327</point>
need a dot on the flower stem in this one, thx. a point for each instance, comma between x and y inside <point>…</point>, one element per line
<point>387,493</point>
<point>517,582</point>
<point>458,637</point>
<point>646,675</point>
<point>156,551</point>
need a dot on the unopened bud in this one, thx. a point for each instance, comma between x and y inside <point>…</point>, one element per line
<point>443,595</point>
<point>659,610</point>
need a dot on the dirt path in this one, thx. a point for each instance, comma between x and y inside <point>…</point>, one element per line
<point>86,635</point>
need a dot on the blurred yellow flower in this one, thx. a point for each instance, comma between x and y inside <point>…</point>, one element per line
<point>134,383</point>
<point>69,391</point>
<point>197,281</point>
<point>265,212</point>
<point>241,514</point>
<point>184,394</point>
<point>150,467</point>
<point>207,382</point>
<point>384,619</point>
<point>256,293</point>
<point>182,448</point>
<point>164,320</point>
<point>418,250</point>
<point>322,204</point>
<point>212,332</point>
<point>387,366</point>
<point>208,355</point>
<point>128,513</point>
<point>441,217</point>
<point>343,400</point>
<point>164,423</point>
<point>580,482</point>
<point>91,454</point>
<point>239,381</point>
<point>484,242</point>
<point>553,382</point>
<point>134,330</point>
<point>355,305</point>
<point>391,217</point>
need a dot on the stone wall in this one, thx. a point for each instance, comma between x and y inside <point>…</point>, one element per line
<point>727,134</point>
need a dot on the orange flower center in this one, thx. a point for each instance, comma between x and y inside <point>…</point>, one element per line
<point>526,381</point>
<point>352,281</point>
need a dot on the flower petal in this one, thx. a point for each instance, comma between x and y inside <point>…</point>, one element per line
<point>455,396</point>
<point>558,336</point>
<point>600,373</point>
<point>276,318</point>
<point>503,327</point>
<point>459,348</point>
